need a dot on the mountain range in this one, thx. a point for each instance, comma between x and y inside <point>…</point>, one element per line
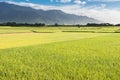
<point>21,14</point>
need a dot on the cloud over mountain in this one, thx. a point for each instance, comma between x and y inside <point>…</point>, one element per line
<point>99,12</point>
<point>21,14</point>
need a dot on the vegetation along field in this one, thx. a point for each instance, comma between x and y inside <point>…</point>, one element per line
<point>59,53</point>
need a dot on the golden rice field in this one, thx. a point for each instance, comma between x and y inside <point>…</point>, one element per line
<point>59,53</point>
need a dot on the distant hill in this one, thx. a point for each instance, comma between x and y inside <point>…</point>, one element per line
<point>21,14</point>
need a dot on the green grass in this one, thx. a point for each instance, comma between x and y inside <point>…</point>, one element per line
<point>60,56</point>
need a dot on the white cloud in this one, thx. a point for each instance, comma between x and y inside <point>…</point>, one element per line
<point>79,2</point>
<point>97,12</point>
<point>68,1</point>
<point>61,1</point>
<point>103,5</point>
<point>65,1</point>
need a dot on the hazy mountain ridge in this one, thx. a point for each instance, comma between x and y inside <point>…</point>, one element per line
<point>21,14</point>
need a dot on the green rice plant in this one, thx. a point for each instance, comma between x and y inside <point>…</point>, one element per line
<point>93,58</point>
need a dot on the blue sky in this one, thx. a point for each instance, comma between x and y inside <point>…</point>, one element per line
<point>108,3</point>
<point>104,10</point>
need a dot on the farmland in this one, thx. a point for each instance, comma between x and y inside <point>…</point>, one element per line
<point>59,53</point>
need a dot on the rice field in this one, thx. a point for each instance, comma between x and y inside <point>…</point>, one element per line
<point>60,55</point>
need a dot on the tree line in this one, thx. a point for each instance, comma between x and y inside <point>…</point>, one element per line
<point>21,24</point>
<point>56,24</point>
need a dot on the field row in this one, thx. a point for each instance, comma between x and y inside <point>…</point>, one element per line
<point>11,30</point>
<point>26,39</point>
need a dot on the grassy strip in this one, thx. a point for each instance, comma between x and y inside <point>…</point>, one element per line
<point>93,31</point>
